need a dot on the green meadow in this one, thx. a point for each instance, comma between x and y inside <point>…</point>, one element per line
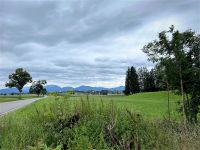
<point>9,98</point>
<point>98,122</point>
<point>149,104</point>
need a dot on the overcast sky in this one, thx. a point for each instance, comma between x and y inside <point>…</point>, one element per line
<point>85,42</point>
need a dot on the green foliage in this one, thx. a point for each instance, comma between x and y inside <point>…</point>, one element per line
<point>134,83</point>
<point>70,92</point>
<point>127,83</point>
<point>38,87</point>
<point>54,94</point>
<point>41,146</point>
<point>142,73</point>
<point>178,57</point>
<point>18,79</point>
<point>131,82</point>
<point>147,80</point>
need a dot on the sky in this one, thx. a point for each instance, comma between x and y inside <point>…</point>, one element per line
<point>85,42</point>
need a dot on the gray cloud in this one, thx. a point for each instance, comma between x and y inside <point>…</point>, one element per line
<point>85,42</point>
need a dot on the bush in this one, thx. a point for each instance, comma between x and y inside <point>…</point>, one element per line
<point>55,94</point>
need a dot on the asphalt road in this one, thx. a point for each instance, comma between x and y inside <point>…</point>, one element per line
<point>14,105</point>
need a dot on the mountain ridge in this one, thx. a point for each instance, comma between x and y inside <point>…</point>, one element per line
<point>56,88</point>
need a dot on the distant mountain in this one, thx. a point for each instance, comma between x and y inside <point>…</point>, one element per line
<point>55,88</point>
<point>64,89</point>
<point>119,88</point>
<point>8,91</point>
<point>26,89</point>
<point>89,88</point>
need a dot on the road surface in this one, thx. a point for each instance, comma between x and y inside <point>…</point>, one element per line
<point>14,105</point>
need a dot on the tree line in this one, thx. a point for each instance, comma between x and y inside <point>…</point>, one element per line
<point>141,80</point>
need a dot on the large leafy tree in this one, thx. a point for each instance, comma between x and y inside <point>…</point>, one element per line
<point>180,50</point>
<point>18,79</point>
<point>38,87</point>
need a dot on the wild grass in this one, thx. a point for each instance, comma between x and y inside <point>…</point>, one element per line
<point>61,123</point>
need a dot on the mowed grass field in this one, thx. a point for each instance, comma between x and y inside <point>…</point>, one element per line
<point>9,98</point>
<point>149,104</point>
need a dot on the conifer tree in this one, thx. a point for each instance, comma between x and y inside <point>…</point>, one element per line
<point>127,83</point>
<point>131,82</point>
<point>134,82</point>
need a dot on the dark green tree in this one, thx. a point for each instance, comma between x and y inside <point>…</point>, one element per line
<point>44,91</point>
<point>142,73</point>
<point>134,82</point>
<point>131,82</point>
<point>38,87</point>
<point>127,83</point>
<point>192,85</point>
<point>149,82</point>
<point>18,79</point>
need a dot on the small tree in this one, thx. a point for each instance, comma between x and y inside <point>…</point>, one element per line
<point>18,79</point>
<point>38,88</point>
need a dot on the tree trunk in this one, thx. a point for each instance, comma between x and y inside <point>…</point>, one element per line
<point>182,97</point>
<point>195,118</point>
<point>168,100</point>
<point>20,94</point>
<point>189,112</point>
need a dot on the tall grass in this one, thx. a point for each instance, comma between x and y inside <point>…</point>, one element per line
<point>59,123</point>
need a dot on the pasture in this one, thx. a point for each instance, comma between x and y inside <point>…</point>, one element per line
<point>92,122</point>
<point>149,104</point>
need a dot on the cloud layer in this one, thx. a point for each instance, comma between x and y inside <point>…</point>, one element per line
<point>89,42</point>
